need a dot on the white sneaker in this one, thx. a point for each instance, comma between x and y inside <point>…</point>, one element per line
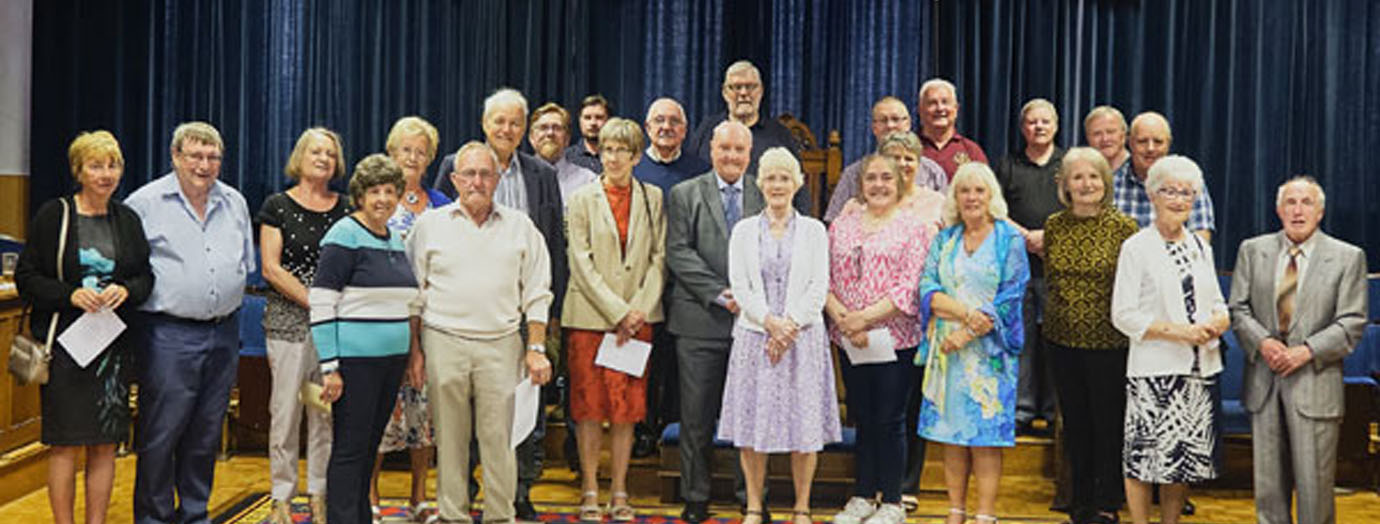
<point>887,514</point>
<point>855,511</point>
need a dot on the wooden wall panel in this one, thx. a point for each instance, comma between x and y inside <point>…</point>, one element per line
<point>14,205</point>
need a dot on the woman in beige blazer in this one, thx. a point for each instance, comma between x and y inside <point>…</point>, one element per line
<point>617,249</point>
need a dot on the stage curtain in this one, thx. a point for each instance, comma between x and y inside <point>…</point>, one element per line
<point>1255,91</point>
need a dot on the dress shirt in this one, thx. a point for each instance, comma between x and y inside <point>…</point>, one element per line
<point>571,177</point>
<point>199,266</point>
<point>512,192</point>
<point>1305,252</point>
<point>737,196</point>
<point>479,280</point>
<point>927,174</point>
<point>1130,196</point>
<point>579,155</point>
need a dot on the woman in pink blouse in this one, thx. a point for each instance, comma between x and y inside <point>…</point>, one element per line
<point>876,259</point>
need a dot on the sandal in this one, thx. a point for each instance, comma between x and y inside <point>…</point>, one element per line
<point>752,516</point>
<point>798,515</point>
<point>589,508</point>
<point>961,513</point>
<point>620,512</point>
<point>910,503</point>
<point>422,510</point>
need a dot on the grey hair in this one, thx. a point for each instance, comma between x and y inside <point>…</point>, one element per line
<point>937,82</point>
<point>1306,180</point>
<point>740,67</point>
<point>780,158</point>
<point>1151,117</point>
<point>505,97</point>
<point>1105,112</point>
<point>673,102</point>
<point>374,170</point>
<point>471,146</point>
<point>1174,168</point>
<point>1039,103</point>
<point>982,174</point>
<point>196,132</point>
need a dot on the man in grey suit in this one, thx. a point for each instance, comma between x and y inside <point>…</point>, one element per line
<point>1295,338</point>
<point>701,215</point>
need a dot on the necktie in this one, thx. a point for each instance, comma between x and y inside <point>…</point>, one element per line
<point>1288,287</point>
<point>732,211</point>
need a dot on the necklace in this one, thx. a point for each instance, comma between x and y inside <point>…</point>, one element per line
<point>412,198</point>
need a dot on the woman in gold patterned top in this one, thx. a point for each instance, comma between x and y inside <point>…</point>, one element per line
<point>1082,244</point>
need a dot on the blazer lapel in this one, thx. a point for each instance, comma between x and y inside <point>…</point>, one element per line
<point>1321,264</point>
<point>709,190</point>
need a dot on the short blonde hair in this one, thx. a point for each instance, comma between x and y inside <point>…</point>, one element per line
<point>1106,112</point>
<point>1039,103</point>
<point>196,132</point>
<point>969,173</point>
<point>1091,157</point>
<point>410,126</point>
<point>903,188</point>
<point>550,107</point>
<point>622,131</point>
<point>293,169</point>
<point>775,159</point>
<point>93,145</point>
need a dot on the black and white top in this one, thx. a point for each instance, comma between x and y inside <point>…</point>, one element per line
<point>302,230</point>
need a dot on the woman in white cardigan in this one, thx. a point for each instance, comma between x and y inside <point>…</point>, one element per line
<point>779,394</point>
<point>1166,300</point>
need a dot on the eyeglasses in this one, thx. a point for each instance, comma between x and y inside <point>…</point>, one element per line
<point>549,128</point>
<point>671,121</point>
<point>743,86</point>
<point>893,120</point>
<point>616,150</point>
<point>199,158</point>
<point>471,174</point>
<point>1177,194</point>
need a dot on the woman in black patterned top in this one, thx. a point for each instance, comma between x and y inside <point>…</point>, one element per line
<point>292,224</point>
<point>1089,354</point>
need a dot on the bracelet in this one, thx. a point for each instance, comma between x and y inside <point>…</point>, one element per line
<point>970,331</point>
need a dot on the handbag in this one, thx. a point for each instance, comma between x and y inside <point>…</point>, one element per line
<point>28,359</point>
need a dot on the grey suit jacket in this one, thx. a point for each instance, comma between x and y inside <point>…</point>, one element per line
<point>697,254</point>
<point>1330,317</point>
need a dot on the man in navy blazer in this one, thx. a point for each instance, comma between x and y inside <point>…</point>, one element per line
<point>528,184</point>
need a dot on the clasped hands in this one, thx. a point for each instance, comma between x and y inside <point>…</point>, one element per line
<point>91,301</point>
<point>781,333</point>
<point>975,324</point>
<point>1282,359</point>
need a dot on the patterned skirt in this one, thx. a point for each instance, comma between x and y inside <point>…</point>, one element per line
<point>1171,430</point>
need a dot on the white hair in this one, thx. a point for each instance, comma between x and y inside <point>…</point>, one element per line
<point>740,67</point>
<point>780,158</point>
<point>505,97</point>
<point>1105,112</point>
<point>669,100</point>
<point>1151,117</point>
<point>974,172</point>
<point>1174,168</point>
<point>1305,180</point>
<point>937,82</point>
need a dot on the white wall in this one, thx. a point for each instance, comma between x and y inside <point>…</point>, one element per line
<point>16,60</point>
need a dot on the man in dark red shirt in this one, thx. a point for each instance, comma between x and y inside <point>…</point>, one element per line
<point>938,112</point>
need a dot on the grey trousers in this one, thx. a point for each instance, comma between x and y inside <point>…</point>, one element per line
<point>1035,383</point>
<point>703,367</point>
<point>1293,452</point>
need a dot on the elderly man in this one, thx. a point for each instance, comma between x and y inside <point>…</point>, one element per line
<point>700,217</point>
<point>665,165</point>
<point>938,112</point>
<point>1295,338</point>
<point>1150,140</point>
<point>528,185</point>
<point>743,93</point>
<point>1105,130</point>
<point>889,115</point>
<point>483,267</point>
<point>594,111</point>
<point>549,137</point>
<point>1027,182</point>
<point>202,247</point>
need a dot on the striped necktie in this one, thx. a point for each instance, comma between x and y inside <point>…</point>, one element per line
<point>1288,287</point>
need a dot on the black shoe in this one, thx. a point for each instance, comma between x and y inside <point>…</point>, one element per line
<point>524,511</point>
<point>644,444</point>
<point>1189,508</point>
<point>695,512</point>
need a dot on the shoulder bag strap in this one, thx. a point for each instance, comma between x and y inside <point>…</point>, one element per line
<point>62,251</point>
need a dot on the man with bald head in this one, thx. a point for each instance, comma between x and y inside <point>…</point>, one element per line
<point>889,115</point>
<point>665,164</point>
<point>1295,338</point>
<point>742,91</point>
<point>938,112</point>
<point>700,216</point>
<point>1150,140</point>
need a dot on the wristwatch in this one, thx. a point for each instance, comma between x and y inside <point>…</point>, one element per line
<point>539,348</point>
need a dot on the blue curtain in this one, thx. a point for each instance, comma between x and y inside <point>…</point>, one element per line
<point>1255,91</point>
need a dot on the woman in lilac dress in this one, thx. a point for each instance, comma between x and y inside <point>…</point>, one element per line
<point>779,395</point>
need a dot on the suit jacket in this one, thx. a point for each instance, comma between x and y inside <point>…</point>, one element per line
<point>544,207</point>
<point>697,254</point>
<point>1330,316</point>
<point>807,287</point>
<point>607,280</point>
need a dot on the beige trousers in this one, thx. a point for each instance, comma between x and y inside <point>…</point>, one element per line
<point>470,383</point>
<point>293,364</point>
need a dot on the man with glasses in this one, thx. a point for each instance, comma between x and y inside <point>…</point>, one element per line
<point>665,165</point>
<point>889,115</point>
<point>742,92</point>
<point>201,249</point>
<point>1150,140</point>
<point>549,137</point>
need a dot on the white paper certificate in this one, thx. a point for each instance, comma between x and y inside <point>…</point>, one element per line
<point>630,358</point>
<point>526,403</point>
<point>90,335</point>
<point>881,348</point>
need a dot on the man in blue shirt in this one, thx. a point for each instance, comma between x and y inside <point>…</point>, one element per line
<point>201,249</point>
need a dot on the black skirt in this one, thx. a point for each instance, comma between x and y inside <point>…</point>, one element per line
<point>86,406</point>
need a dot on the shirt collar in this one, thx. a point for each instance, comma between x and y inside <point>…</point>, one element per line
<point>652,154</point>
<point>173,187</point>
<point>720,180</point>
<point>1306,248</point>
<point>496,211</point>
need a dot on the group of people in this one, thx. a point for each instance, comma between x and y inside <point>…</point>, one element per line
<point>950,291</point>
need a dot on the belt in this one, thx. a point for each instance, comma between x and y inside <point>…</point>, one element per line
<point>213,321</point>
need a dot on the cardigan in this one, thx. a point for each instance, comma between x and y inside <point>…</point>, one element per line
<point>1148,290</point>
<point>808,284</point>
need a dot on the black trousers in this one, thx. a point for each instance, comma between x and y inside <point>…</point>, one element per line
<point>877,398</point>
<point>1092,399</point>
<point>357,422</point>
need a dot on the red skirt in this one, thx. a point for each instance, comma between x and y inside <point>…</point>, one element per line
<point>599,393</point>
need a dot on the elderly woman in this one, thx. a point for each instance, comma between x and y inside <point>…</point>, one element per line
<point>926,197</point>
<point>617,251</point>
<point>86,253</point>
<point>292,224</point>
<point>875,265</point>
<point>1089,354</point>
<point>975,277</point>
<point>779,393</point>
<point>359,317</point>
<point>412,145</point>
<point>1166,300</point>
